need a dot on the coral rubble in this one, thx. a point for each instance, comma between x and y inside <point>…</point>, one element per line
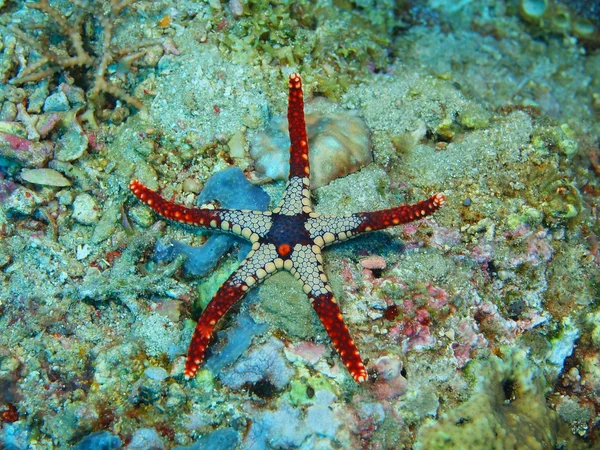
<point>80,52</point>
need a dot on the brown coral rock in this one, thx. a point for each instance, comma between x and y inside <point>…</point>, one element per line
<point>339,144</point>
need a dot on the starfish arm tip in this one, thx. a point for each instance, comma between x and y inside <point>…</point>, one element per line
<point>134,185</point>
<point>439,199</point>
<point>295,80</point>
<point>360,376</point>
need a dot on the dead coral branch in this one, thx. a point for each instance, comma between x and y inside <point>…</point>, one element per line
<point>75,55</point>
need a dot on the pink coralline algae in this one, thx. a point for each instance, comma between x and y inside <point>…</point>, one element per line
<point>25,152</point>
<point>438,296</point>
<point>413,327</point>
<point>539,249</point>
<point>390,382</point>
<point>306,351</point>
<point>468,338</point>
<point>414,332</point>
<point>373,262</point>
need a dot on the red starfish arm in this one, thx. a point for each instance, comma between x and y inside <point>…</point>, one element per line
<point>327,230</point>
<point>248,224</point>
<point>378,220</point>
<point>296,198</point>
<point>257,266</point>
<point>226,296</point>
<point>330,315</point>
<point>299,166</point>
<point>307,267</point>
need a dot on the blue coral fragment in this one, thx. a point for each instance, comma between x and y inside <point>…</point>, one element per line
<point>217,440</point>
<point>200,260</point>
<point>232,190</point>
<point>264,363</point>
<point>100,440</point>
<point>238,340</point>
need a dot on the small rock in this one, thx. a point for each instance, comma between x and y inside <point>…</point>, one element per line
<point>82,252</point>
<point>46,177</point>
<point>56,102</point>
<point>156,373</point>
<point>8,111</point>
<point>145,438</point>
<point>21,201</point>
<point>192,185</point>
<point>71,145</point>
<point>146,147</point>
<point>152,56</point>
<point>75,95</point>
<point>373,262</point>
<point>236,7</point>
<point>85,209</point>
<point>65,197</point>
<point>36,99</point>
<point>237,145</point>
<point>47,123</point>
<point>107,224</point>
<point>13,128</point>
<point>118,115</point>
<point>215,4</point>
<point>388,366</point>
<point>23,151</point>
<point>176,396</point>
<point>142,216</point>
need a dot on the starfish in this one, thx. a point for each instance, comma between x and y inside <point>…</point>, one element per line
<point>291,238</point>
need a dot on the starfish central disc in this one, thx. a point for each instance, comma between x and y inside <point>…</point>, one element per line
<point>286,232</point>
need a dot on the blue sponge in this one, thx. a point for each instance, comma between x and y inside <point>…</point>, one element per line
<point>232,190</point>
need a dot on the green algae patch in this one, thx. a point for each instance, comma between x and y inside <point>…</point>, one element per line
<point>474,116</point>
<point>555,138</point>
<point>563,201</point>
<point>208,289</point>
<point>204,380</point>
<point>527,215</point>
<point>321,41</point>
<point>276,296</point>
<point>303,392</point>
<point>507,410</point>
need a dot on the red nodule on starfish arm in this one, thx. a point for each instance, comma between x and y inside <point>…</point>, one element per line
<point>299,166</point>
<point>209,218</point>
<point>331,318</point>
<point>378,220</point>
<point>226,296</point>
